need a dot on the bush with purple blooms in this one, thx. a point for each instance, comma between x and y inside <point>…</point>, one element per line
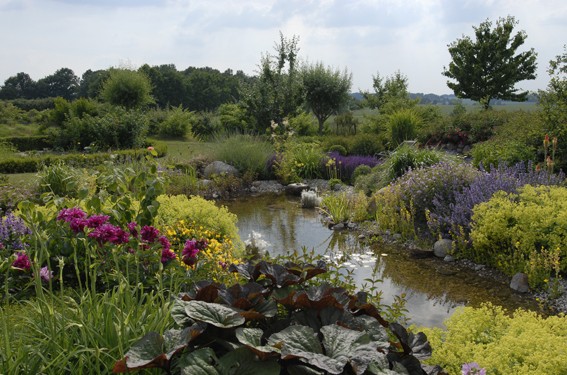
<point>413,194</point>
<point>15,263</point>
<point>454,218</point>
<point>343,167</point>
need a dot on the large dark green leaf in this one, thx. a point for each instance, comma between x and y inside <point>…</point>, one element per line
<point>252,338</point>
<point>243,362</point>
<point>200,362</point>
<point>148,352</point>
<point>306,270</point>
<point>213,313</point>
<point>246,270</point>
<point>374,329</point>
<point>349,346</point>
<point>319,297</point>
<point>178,313</point>
<point>278,274</point>
<point>176,340</point>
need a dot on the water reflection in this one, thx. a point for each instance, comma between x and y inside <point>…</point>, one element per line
<point>433,289</point>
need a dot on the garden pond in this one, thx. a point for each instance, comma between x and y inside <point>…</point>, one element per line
<point>433,288</point>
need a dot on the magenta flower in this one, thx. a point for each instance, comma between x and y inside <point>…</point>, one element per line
<point>22,262</point>
<point>133,228</point>
<point>472,369</point>
<point>69,214</point>
<point>167,255</point>
<point>189,253</point>
<point>109,233</point>
<point>164,242</point>
<point>45,274</point>
<point>96,221</point>
<point>149,233</point>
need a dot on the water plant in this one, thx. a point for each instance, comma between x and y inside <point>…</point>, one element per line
<point>276,323</point>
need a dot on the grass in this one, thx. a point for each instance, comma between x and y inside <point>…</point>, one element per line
<point>185,150</point>
<point>18,130</point>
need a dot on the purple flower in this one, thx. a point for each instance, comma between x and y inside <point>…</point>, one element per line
<point>190,251</point>
<point>45,274</point>
<point>167,255</point>
<point>12,232</point>
<point>22,261</point>
<point>133,228</point>
<point>69,214</point>
<point>149,233</point>
<point>164,242</point>
<point>472,369</point>
<point>109,233</point>
<point>96,221</point>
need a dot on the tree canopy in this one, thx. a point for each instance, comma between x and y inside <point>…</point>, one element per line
<point>327,91</point>
<point>390,93</point>
<point>489,67</point>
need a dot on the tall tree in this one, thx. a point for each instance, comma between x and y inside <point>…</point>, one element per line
<point>168,84</point>
<point>390,93</point>
<point>327,91</point>
<point>277,93</point>
<point>488,67</point>
<point>20,86</point>
<point>63,83</point>
<point>91,83</point>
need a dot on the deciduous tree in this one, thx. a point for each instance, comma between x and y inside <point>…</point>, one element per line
<point>489,67</point>
<point>327,91</point>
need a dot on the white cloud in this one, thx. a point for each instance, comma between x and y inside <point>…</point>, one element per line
<point>365,36</point>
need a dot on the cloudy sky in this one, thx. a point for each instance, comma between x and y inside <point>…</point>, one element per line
<point>363,36</point>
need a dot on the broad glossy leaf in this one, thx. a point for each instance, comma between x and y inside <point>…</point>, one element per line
<point>374,329</point>
<point>243,362</point>
<point>245,296</point>
<point>246,270</point>
<point>176,340</point>
<point>252,338</point>
<point>349,346</point>
<point>296,338</point>
<point>213,313</point>
<point>200,362</point>
<point>306,270</point>
<point>178,313</point>
<point>148,352</point>
<point>204,290</point>
<point>278,274</point>
<point>319,297</point>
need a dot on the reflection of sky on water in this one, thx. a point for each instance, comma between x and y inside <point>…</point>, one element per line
<point>285,227</point>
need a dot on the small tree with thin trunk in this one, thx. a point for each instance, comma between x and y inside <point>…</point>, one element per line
<point>327,91</point>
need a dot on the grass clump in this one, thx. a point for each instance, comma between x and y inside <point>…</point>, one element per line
<point>246,153</point>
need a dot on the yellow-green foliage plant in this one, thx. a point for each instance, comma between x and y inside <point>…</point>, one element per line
<point>199,212</point>
<point>391,212</point>
<point>524,343</point>
<point>299,161</point>
<point>523,232</point>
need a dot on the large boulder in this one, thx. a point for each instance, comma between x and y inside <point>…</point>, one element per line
<point>296,188</point>
<point>442,247</point>
<point>220,168</point>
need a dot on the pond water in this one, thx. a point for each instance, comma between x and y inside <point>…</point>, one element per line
<point>433,289</point>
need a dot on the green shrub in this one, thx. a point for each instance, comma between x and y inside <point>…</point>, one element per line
<point>524,232</point>
<point>246,153</point>
<point>361,170</point>
<point>346,123</point>
<point>200,211</point>
<point>409,157</point>
<point>205,126</point>
<point>233,118</point>
<point>64,181</point>
<point>303,124</point>
<point>127,88</point>
<point>492,153</point>
<point>523,343</point>
<point>299,161</point>
<point>176,123</point>
<point>338,148</point>
<point>28,143</point>
<point>403,125</point>
<point>366,144</point>
<point>329,141</point>
<point>37,104</point>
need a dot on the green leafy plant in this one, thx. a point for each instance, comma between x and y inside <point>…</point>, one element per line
<point>298,161</point>
<point>176,124</point>
<point>246,153</point>
<point>403,124</point>
<point>276,324</point>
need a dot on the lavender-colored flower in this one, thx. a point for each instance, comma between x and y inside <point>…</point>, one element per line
<point>345,165</point>
<point>45,274</point>
<point>472,369</point>
<point>22,261</point>
<point>109,233</point>
<point>149,233</point>
<point>96,221</point>
<point>13,232</point>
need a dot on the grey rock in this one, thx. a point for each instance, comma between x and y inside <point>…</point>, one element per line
<point>219,168</point>
<point>442,247</point>
<point>339,226</point>
<point>519,283</point>
<point>397,236</point>
<point>296,188</point>
<point>449,258</point>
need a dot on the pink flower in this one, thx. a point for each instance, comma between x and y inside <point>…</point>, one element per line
<point>150,148</point>
<point>191,249</point>
<point>133,228</point>
<point>45,274</point>
<point>22,262</point>
<point>167,255</point>
<point>96,221</point>
<point>109,233</point>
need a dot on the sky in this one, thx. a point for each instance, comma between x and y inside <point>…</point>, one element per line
<point>365,37</point>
